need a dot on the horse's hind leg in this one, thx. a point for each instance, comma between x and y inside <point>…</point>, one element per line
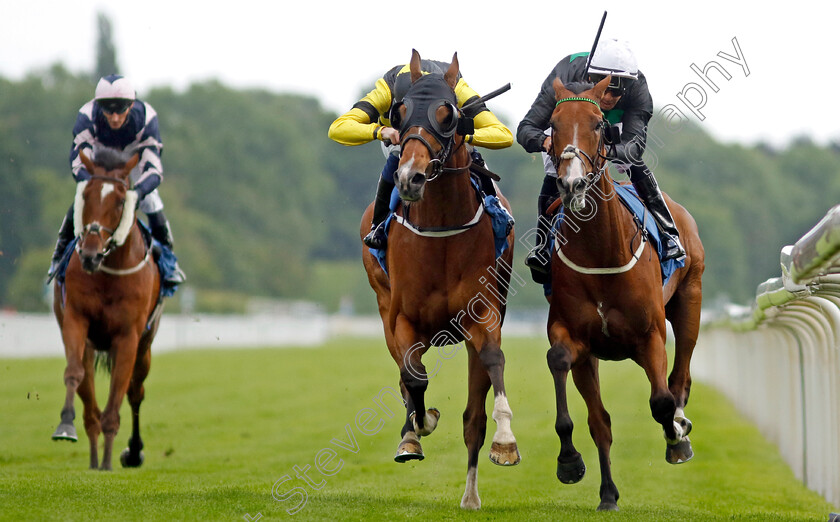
<point>585,375</point>
<point>570,467</point>
<point>92,415</point>
<point>663,407</point>
<point>683,311</point>
<point>132,456</point>
<point>475,425</point>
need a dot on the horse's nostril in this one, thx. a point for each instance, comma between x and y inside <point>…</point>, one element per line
<point>578,185</point>
<point>418,179</point>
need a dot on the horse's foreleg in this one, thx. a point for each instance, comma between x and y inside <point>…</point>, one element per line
<point>132,457</point>
<point>124,353</point>
<point>414,380</point>
<point>475,425</point>
<point>74,335</point>
<point>91,414</point>
<point>503,450</point>
<point>570,466</point>
<point>585,375</point>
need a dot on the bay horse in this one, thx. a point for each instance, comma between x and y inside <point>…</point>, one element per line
<point>108,305</point>
<point>442,284</point>
<point>608,300</point>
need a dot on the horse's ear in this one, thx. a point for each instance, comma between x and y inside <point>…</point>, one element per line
<point>131,164</point>
<point>560,90</point>
<point>451,75</point>
<point>86,161</point>
<point>414,65</point>
<point>601,87</point>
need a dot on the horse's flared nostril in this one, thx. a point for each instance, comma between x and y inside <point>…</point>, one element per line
<point>578,185</point>
<point>418,179</point>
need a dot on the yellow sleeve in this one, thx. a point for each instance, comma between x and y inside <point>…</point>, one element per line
<point>489,131</point>
<point>358,125</point>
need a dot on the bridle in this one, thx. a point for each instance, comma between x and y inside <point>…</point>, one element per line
<point>116,239</point>
<point>597,166</point>
<point>436,165</point>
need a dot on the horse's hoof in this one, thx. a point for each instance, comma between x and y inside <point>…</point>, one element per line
<point>430,422</point>
<point>131,461</point>
<point>607,506</point>
<point>505,454</point>
<point>65,432</point>
<point>679,453</point>
<point>409,449</point>
<point>571,472</point>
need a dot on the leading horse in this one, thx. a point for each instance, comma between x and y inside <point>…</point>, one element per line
<point>608,300</point>
<point>107,305</point>
<point>444,283</point>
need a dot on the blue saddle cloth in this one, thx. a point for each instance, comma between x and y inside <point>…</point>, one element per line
<point>502,222</point>
<point>629,197</point>
<point>165,261</point>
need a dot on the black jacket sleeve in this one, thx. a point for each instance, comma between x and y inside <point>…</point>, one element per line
<point>638,109</point>
<point>531,131</point>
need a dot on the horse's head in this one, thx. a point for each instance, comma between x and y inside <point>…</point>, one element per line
<point>104,207</point>
<point>577,141</point>
<point>427,118</point>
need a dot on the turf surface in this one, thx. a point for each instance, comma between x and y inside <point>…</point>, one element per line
<point>222,429</point>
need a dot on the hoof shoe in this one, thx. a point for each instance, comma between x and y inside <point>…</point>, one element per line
<point>505,454</point>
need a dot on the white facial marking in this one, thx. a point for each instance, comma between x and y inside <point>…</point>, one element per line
<point>107,188</point>
<point>575,169</point>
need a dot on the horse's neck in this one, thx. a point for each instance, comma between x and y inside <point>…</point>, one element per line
<point>130,252</point>
<point>601,229</point>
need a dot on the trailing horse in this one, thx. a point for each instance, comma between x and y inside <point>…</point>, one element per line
<point>444,282</point>
<point>608,300</point>
<point>108,304</point>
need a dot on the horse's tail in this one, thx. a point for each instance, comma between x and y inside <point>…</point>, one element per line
<point>102,361</point>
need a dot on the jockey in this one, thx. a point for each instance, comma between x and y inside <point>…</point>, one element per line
<point>626,103</point>
<point>369,119</point>
<point>115,118</point>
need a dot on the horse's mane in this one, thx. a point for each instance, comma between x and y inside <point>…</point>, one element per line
<point>578,87</point>
<point>109,159</point>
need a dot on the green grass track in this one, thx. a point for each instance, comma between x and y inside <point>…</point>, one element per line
<point>221,428</point>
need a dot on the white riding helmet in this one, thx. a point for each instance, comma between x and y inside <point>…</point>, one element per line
<point>614,57</point>
<point>114,87</point>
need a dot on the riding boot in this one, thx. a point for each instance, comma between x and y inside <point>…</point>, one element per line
<point>162,232</point>
<point>488,187</point>
<point>376,238</point>
<point>648,190</point>
<point>65,235</point>
<point>539,258</point>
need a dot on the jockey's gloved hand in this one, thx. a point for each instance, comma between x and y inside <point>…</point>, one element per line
<point>82,175</point>
<point>145,187</point>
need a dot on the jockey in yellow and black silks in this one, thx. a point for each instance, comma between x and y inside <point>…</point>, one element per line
<point>368,120</point>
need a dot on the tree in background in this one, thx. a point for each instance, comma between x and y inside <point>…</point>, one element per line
<point>106,52</point>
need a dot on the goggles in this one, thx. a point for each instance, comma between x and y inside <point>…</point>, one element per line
<point>114,105</point>
<point>617,84</point>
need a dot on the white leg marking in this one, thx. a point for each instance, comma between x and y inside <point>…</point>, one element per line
<point>502,416</point>
<point>470,499</point>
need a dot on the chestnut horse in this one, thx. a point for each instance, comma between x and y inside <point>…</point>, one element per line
<point>608,300</point>
<point>442,284</point>
<point>107,305</point>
